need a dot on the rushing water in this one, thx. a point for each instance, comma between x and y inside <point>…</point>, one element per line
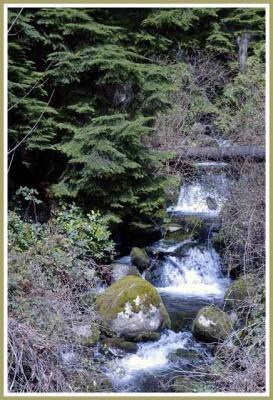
<point>152,360</point>
<point>205,195</point>
<point>202,198</point>
<point>188,276</point>
<point>197,272</point>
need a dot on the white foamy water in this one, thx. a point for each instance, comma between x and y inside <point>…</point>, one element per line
<point>204,197</point>
<point>197,272</point>
<point>123,260</point>
<point>151,356</point>
<point>169,246</point>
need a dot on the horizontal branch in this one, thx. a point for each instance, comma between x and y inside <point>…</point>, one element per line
<point>225,153</point>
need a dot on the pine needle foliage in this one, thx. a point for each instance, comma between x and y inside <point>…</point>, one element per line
<point>85,85</point>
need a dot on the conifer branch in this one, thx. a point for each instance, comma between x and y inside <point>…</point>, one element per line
<point>30,90</point>
<point>33,128</point>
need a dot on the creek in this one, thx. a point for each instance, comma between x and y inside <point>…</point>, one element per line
<point>188,276</point>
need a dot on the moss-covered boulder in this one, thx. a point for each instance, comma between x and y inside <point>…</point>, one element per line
<point>212,324</point>
<point>240,290</point>
<point>178,235</point>
<point>132,308</point>
<point>121,270</point>
<point>140,258</point>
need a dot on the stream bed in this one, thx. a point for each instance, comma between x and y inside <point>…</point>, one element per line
<point>188,276</point>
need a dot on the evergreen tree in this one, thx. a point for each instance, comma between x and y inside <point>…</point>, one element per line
<point>85,85</point>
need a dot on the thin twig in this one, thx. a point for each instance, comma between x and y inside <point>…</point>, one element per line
<point>33,128</point>
<point>15,19</point>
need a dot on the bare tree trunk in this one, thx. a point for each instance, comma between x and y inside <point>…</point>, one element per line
<point>225,153</point>
<point>242,42</point>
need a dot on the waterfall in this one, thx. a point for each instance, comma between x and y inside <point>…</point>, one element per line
<point>196,272</point>
<point>205,194</point>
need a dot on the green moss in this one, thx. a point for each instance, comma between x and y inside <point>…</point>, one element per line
<point>127,289</point>
<point>119,344</point>
<point>178,235</point>
<point>241,289</point>
<point>212,324</point>
<point>140,258</point>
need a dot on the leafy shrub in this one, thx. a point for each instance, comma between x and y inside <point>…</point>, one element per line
<point>51,294</point>
<point>88,233</point>
<point>21,235</point>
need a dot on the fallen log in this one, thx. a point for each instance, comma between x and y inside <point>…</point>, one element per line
<point>222,153</point>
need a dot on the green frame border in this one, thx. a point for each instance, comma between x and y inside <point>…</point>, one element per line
<point>2,196</point>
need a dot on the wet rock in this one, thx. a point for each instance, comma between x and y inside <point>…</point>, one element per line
<point>171,227</point>
<point>180,321</point>
<point>212,324</point>
<point>118,343</point>
<point>175,231</point>
<point>146,336</point>
<point>179,235</point>
<point>132,308</point>
<point>185,356</point>
<point>121,270</point>
<point>211,203</point>
<point>140,258</point>
<point>240,290</point>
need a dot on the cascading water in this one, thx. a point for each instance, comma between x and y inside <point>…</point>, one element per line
<point>151,359</point>
<point>188,275</point>
<point>205,196</point>
<point>196,272</point>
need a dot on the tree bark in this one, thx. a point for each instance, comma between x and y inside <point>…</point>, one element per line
<point>224,153</point>
<point>242,42</point>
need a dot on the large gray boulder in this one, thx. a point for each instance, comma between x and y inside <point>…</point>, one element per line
<point>132,308</point>
<point>212,324</point>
